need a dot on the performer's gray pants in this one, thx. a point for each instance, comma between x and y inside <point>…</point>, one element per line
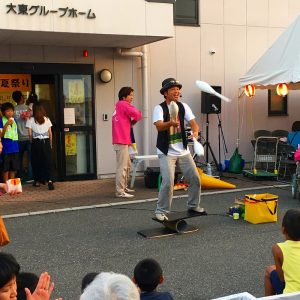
<point>167,171</point>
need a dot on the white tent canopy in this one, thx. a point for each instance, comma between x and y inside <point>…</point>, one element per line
<point>280,63</point>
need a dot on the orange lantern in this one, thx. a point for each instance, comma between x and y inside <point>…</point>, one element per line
<point>250,90</point>
<point>282,89</point>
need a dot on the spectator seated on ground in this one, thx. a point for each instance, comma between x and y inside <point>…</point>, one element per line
<point>148,275</point>
<point>87,279</point>
<point>284,276</point>
<point>108,286</point>
<point>9,270</point>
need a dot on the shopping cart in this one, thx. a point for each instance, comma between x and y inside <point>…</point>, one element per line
<point>264,164</point>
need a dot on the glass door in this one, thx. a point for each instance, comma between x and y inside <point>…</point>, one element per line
<point>77,134</point>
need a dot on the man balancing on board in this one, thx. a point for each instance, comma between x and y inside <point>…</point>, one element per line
<point>172,149</point>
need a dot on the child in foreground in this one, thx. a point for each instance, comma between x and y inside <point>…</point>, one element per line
<point>284,276</point>
<point>147,276</point>
<point>9,270</point>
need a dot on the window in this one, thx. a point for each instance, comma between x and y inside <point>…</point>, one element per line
<point>277,105</point>
<point>186,12</point>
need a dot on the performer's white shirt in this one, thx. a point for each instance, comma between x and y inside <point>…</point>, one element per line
<point>176,149</point>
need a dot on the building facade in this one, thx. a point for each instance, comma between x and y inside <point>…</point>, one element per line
<point>58,50</point>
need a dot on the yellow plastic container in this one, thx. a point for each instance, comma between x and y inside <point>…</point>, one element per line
<point>261,208</point>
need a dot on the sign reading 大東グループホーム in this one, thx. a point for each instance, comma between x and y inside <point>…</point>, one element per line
<point>41,10</point>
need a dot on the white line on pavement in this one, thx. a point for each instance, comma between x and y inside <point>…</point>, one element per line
<point>43,212</point>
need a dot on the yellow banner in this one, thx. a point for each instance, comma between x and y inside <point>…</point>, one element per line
<point>70,144</point>
<point>14,82</point>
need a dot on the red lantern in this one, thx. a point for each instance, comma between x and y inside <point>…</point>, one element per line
<point>282,89</point>
<point>250,90</point>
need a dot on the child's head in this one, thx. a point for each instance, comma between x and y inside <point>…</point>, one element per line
<point>9,269</point>
<point>148,274</point>
<point>39,112</point>
<point>87,279</point>
<point>7,110</point>
<point>32,98</point>
<point>18,97</point>
<point>291,224</point>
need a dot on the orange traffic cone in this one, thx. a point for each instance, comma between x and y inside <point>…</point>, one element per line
<point>209,182</point>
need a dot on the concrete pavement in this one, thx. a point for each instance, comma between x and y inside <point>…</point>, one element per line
<point>224,257</point>
<point>72,194</point>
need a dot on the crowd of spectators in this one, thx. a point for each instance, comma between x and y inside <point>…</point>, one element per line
<point>94,286</point>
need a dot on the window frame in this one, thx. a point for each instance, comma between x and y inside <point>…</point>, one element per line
<point>187,21</point>
<point>284,111</point>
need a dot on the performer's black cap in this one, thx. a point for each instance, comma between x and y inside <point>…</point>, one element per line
<point>168,83</point>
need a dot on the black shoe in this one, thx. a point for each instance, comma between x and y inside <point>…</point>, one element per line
<point>50,185</point>
<point>36,184</point>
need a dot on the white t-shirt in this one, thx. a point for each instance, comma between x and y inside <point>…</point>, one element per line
<point>39,131</point>
<point>177,148</point>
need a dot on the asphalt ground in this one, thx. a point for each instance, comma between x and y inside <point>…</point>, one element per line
<point>69,239</point>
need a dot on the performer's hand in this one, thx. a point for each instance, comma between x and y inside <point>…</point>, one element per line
<point>174,123</point>
<point>195,134</point>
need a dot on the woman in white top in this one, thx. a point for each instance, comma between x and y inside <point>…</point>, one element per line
<point>40,133</point>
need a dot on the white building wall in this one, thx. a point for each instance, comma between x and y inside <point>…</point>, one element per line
<point>240,31</point>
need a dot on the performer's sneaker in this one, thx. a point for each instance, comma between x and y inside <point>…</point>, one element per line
<point>127,190</point>
<point>197,209</point>
<point>161,217</point>
<point>124,195</point>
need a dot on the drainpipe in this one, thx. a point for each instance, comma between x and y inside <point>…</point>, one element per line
<point>145,94</point>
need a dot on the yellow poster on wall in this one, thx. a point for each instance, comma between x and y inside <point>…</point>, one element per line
<point>70,144</point>
<point>13,82</point>
<point>6,97</point>
<point>76,91</point>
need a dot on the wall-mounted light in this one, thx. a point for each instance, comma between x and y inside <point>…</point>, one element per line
<point>282,89</point>
<point>105,76</point>
<point>250,90</point>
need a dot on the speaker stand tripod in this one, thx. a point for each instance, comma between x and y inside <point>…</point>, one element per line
<point>221,134</point>
<point>208,147</point>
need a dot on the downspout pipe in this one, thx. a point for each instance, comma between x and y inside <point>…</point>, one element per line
<point>145,89</point>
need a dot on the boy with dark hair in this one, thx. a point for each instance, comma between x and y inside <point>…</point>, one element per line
<point>9,269</point>
<point>147,276</point>
<point>284,276</point>
<point>21,115</point>
<point>9,138</point>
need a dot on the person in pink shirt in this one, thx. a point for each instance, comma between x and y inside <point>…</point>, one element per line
<point>124,116</point>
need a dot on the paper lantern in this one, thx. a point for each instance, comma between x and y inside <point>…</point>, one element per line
<point>282,89</point>
<point>250,90</point>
